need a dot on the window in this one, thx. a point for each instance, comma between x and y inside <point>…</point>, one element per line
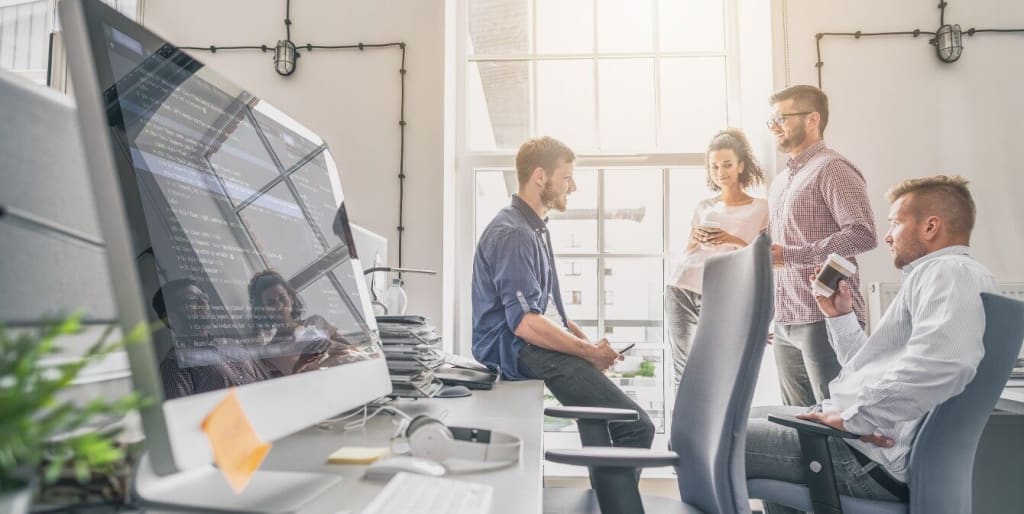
<point>25,27</point>
<point>636,88</point>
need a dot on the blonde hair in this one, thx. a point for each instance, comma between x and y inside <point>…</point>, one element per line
<point>945,196</point>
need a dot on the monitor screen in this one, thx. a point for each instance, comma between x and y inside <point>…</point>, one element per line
<point>225,219</point>
<point>238,204</point>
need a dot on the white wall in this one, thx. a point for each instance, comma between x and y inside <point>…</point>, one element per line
<point>898,112</point>
<point>349,98</point>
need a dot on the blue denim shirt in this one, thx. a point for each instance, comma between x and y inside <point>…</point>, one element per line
<point>513,274</point>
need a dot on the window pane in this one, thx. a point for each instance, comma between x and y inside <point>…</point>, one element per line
<point>633,211</point>
<point>565,102</point>
<point>578,278</point>
<point>626,108</point>
<point>242,162</point>
<point>575,230</point>
<point>282,233</point>
<point>565,26</point>
<point>693,102</point>
<point>633,290</point>
<point>691,25</point>
<point>21,35</point>
<point>320,192</point>
<point>323,299</point>
<point>687,186</point>
<point>639,375</point>
<point>499,27</point>
<point>290,141</point>
<point>493,190</point>
<point>625,26</point>
<point>497,104</point>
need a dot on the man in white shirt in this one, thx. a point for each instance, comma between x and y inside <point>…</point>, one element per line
<point>924,351</point>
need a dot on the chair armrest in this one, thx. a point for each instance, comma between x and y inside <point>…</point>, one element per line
<point>812,427</point>
<point>592,413</point>
<point>615,457</point>
<point>816,459</point>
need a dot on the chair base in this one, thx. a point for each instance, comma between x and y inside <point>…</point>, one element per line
<point>798,496</point>
<point>572,500</point>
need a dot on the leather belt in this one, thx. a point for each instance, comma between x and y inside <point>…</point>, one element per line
<point>882,477</point>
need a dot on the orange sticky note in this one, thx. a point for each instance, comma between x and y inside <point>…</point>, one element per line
<point>237,450</point>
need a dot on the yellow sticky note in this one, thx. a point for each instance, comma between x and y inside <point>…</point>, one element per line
<point>237,450</point>
<point>357,455</point>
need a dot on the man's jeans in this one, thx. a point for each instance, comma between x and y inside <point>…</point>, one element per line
<point>577,383</point>
<point>773,452</point>
<point>806,362</point>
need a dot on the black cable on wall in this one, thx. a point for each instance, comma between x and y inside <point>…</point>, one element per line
<point>915,33</point>
<point>309,47</point>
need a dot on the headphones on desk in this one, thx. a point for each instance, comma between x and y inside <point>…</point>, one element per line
<point>460,449</point>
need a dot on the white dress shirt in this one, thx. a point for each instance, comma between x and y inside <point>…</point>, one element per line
<point>925,350</point>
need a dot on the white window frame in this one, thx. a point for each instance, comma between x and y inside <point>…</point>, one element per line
<point>466,162</point>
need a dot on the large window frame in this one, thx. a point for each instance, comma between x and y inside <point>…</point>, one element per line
<point>33,24</point>
<point>467,162</point>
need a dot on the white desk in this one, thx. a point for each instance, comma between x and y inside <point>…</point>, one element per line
<point>512,407</point>
<point>1012,399</point>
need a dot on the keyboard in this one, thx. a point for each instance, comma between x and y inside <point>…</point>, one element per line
<point>409,493</point>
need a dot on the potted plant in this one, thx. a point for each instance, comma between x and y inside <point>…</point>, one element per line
<point>36,425</point>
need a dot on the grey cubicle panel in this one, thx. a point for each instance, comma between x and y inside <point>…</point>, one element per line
<point>51,255</point>
<point>43,181</point>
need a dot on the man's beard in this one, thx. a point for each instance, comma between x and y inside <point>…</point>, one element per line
<point>794,139</point>
<point>552,199</point>
<point>912,252</point>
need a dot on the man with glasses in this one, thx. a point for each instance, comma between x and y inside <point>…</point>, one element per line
<point>818,205</point>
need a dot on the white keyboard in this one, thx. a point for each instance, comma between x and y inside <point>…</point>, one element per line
<point>409,493</point>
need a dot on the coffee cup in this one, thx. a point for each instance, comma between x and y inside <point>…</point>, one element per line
<point>711,224</point>
<point>834,269</point>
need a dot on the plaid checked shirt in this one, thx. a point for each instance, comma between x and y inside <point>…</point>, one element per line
<point>818,205</point>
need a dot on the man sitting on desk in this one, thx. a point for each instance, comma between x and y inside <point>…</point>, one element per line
<point>925,350</point>
<point>519,322</point>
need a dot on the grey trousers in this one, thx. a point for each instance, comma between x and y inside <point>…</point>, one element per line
<point>683,308</point>
<point>773,452</point>
<point>806,362</point>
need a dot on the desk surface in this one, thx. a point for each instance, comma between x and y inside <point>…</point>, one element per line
<point>1012,399</point>
<point>512,407</point>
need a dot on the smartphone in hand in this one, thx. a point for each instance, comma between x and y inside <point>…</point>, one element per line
<point>626,349</point>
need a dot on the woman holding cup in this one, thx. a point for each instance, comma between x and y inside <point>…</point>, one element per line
<point>725,222</point>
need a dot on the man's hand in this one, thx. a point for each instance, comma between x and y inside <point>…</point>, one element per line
<point>602,355</point>
<point>840,303</point>
<point>777,256</point>
<point>833,420</point>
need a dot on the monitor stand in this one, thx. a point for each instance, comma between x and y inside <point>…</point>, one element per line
<point>206,489</point>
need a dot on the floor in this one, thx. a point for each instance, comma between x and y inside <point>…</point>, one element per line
<point>653,486</point>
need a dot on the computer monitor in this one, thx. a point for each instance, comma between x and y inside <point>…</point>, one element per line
<point>373,253</point>
<point>219,211</point>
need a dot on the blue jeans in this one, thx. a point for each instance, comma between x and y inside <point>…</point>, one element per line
<point>577,383</point>
<point>773,452</point>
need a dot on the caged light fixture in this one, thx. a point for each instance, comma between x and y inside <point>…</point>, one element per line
<point>947,39</point>
<point>948,45</point>
<point>285,57</point>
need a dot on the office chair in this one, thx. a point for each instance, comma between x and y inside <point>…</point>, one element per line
<point>709,423</point>
<point>942,456</point>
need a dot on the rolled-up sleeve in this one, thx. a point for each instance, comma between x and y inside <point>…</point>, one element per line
<point>515,271</point>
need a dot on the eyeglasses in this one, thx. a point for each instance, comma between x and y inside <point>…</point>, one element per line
<point>777,119</point>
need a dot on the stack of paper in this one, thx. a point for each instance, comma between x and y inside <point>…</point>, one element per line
<point>412,348</point>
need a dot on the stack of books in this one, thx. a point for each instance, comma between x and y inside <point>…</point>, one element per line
<point>412,348</point>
